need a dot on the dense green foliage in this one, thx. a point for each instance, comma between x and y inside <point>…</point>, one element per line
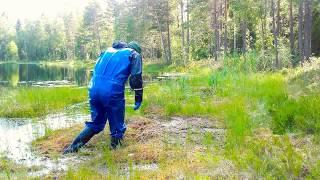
<point>175,31</point>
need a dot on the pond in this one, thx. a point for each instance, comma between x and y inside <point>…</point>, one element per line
<point>17,135</point>
<point>36,74</point>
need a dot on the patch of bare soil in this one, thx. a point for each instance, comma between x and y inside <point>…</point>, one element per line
<point>176,128</point>
<point>143,129</point>
<point>181,128</point>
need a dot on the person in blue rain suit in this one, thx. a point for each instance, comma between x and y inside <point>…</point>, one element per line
<point>106,92</point>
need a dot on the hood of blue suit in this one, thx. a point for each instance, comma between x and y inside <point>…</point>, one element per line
<point>119,44</point>
<point>135,45</point>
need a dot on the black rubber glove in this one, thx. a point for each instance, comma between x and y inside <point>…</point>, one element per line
<point>138,99</point>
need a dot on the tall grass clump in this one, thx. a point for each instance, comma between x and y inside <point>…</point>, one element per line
<point>189,95</point>
<point>34,102</point>
<point>83,173</point>
<point>300,114</point>
<point>250,88</point>
<point>11,170</point>
<point>238,123</point>
<point>287,114</point>
<point>269,157</point>
<point>238,87</point>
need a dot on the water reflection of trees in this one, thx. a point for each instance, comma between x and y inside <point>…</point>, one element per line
<point>12,73</point>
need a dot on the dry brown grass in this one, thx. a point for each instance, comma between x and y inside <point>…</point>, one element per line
<point>56,142</point>
<point>142,129</point>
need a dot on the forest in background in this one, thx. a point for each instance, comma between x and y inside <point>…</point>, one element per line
<point>280,33</point>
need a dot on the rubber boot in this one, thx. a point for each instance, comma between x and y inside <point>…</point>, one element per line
<point>80,140</point>
<point>115,142</point>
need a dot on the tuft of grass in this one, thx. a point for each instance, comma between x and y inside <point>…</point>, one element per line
<point>83,173</point>
<point>314,171</point>
<point>297,114</point>
<point>11,170</point>
<point>269,157</point>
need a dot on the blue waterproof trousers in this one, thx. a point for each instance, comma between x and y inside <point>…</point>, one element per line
<point>106,106</point>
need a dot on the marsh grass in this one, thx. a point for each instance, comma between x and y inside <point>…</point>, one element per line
<point>35,102</point>
<point>246,100</point>
<point>231,93</point>
<point>272,157</point>
<point>83,173</point>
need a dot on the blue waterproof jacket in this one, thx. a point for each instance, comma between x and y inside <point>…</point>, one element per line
<point>113,68</point>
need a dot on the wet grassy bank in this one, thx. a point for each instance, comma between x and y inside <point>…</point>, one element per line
<point>227,121</point>
<point>249,124</point>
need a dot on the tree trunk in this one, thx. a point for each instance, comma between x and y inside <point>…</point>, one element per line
<point>162,39</point>
<point>263,24</point>
<point>182,33</point>
<point>262,35</point>
<point>234,37</point>
<point>278,34</point>
<point>278,19</point>
<point>291,30</point>
<point>220,24</point>
<point>300,31</point>
<point>274,30</point>
<point>99,40</point>
<point>216,30</point>
<point>307,29</point>
<point>225,27</point>
<point>168,34</point>
<point>244,36</point>
<point>188,31</point>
